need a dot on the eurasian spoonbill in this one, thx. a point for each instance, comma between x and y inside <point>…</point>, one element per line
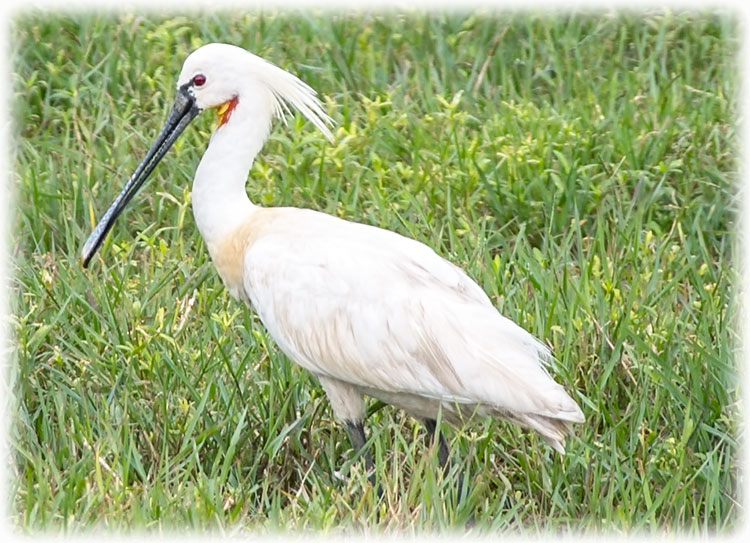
<point>366,310</point>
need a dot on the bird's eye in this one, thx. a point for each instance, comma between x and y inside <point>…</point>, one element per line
<point>199,80</point>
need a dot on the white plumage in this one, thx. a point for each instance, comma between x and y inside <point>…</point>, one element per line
<point>364,309</point>
<point>387,316</point>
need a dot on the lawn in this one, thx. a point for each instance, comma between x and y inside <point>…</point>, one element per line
<point>582,167</point>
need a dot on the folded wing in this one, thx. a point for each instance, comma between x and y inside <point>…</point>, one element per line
<point>378,310</point>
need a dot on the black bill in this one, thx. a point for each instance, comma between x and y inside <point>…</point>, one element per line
<point>183,111</point>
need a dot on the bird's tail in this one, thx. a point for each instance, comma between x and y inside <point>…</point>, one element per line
<point>553,430</point>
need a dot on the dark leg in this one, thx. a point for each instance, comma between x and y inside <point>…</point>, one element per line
<point>445,463</point>
<point>357,435</point>
<point>443,452</point>
<point>431,425</point>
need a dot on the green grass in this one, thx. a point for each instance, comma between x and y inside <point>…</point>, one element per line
<point>581,167</point>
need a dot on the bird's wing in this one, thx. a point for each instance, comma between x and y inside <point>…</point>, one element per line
<point>378,310</point>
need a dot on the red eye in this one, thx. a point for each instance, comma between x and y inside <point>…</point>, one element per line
<point>199,80</point>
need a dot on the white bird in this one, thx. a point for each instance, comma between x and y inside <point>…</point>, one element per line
<point>365,310</point>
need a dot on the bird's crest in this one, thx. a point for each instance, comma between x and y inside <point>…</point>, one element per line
<point>288,90</point>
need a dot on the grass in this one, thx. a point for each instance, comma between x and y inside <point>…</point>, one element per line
<point>581,167</point>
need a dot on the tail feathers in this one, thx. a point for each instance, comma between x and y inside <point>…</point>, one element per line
<point>571,413</point>
<point>553,430</point>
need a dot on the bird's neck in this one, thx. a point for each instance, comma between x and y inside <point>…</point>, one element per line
<point>220,202</point>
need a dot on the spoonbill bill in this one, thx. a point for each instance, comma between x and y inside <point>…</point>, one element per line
<point>365,310</point>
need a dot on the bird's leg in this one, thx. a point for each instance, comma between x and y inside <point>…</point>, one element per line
<point>356,432</point>
<point>347,404</point>
<point>445,463</point>
<point>443,451</point>
<point>431,425</point>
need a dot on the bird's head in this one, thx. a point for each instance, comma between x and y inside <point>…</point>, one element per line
<point>218,76</point>
<point>213,75</point>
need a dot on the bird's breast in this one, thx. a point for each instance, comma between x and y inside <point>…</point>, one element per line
<point>228,252</point>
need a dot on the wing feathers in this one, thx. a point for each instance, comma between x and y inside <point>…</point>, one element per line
<point>377,310</point>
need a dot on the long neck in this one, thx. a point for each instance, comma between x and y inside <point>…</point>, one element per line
<point>220,202</point>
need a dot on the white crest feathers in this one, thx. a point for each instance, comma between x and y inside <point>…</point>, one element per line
<point>289,90</point>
